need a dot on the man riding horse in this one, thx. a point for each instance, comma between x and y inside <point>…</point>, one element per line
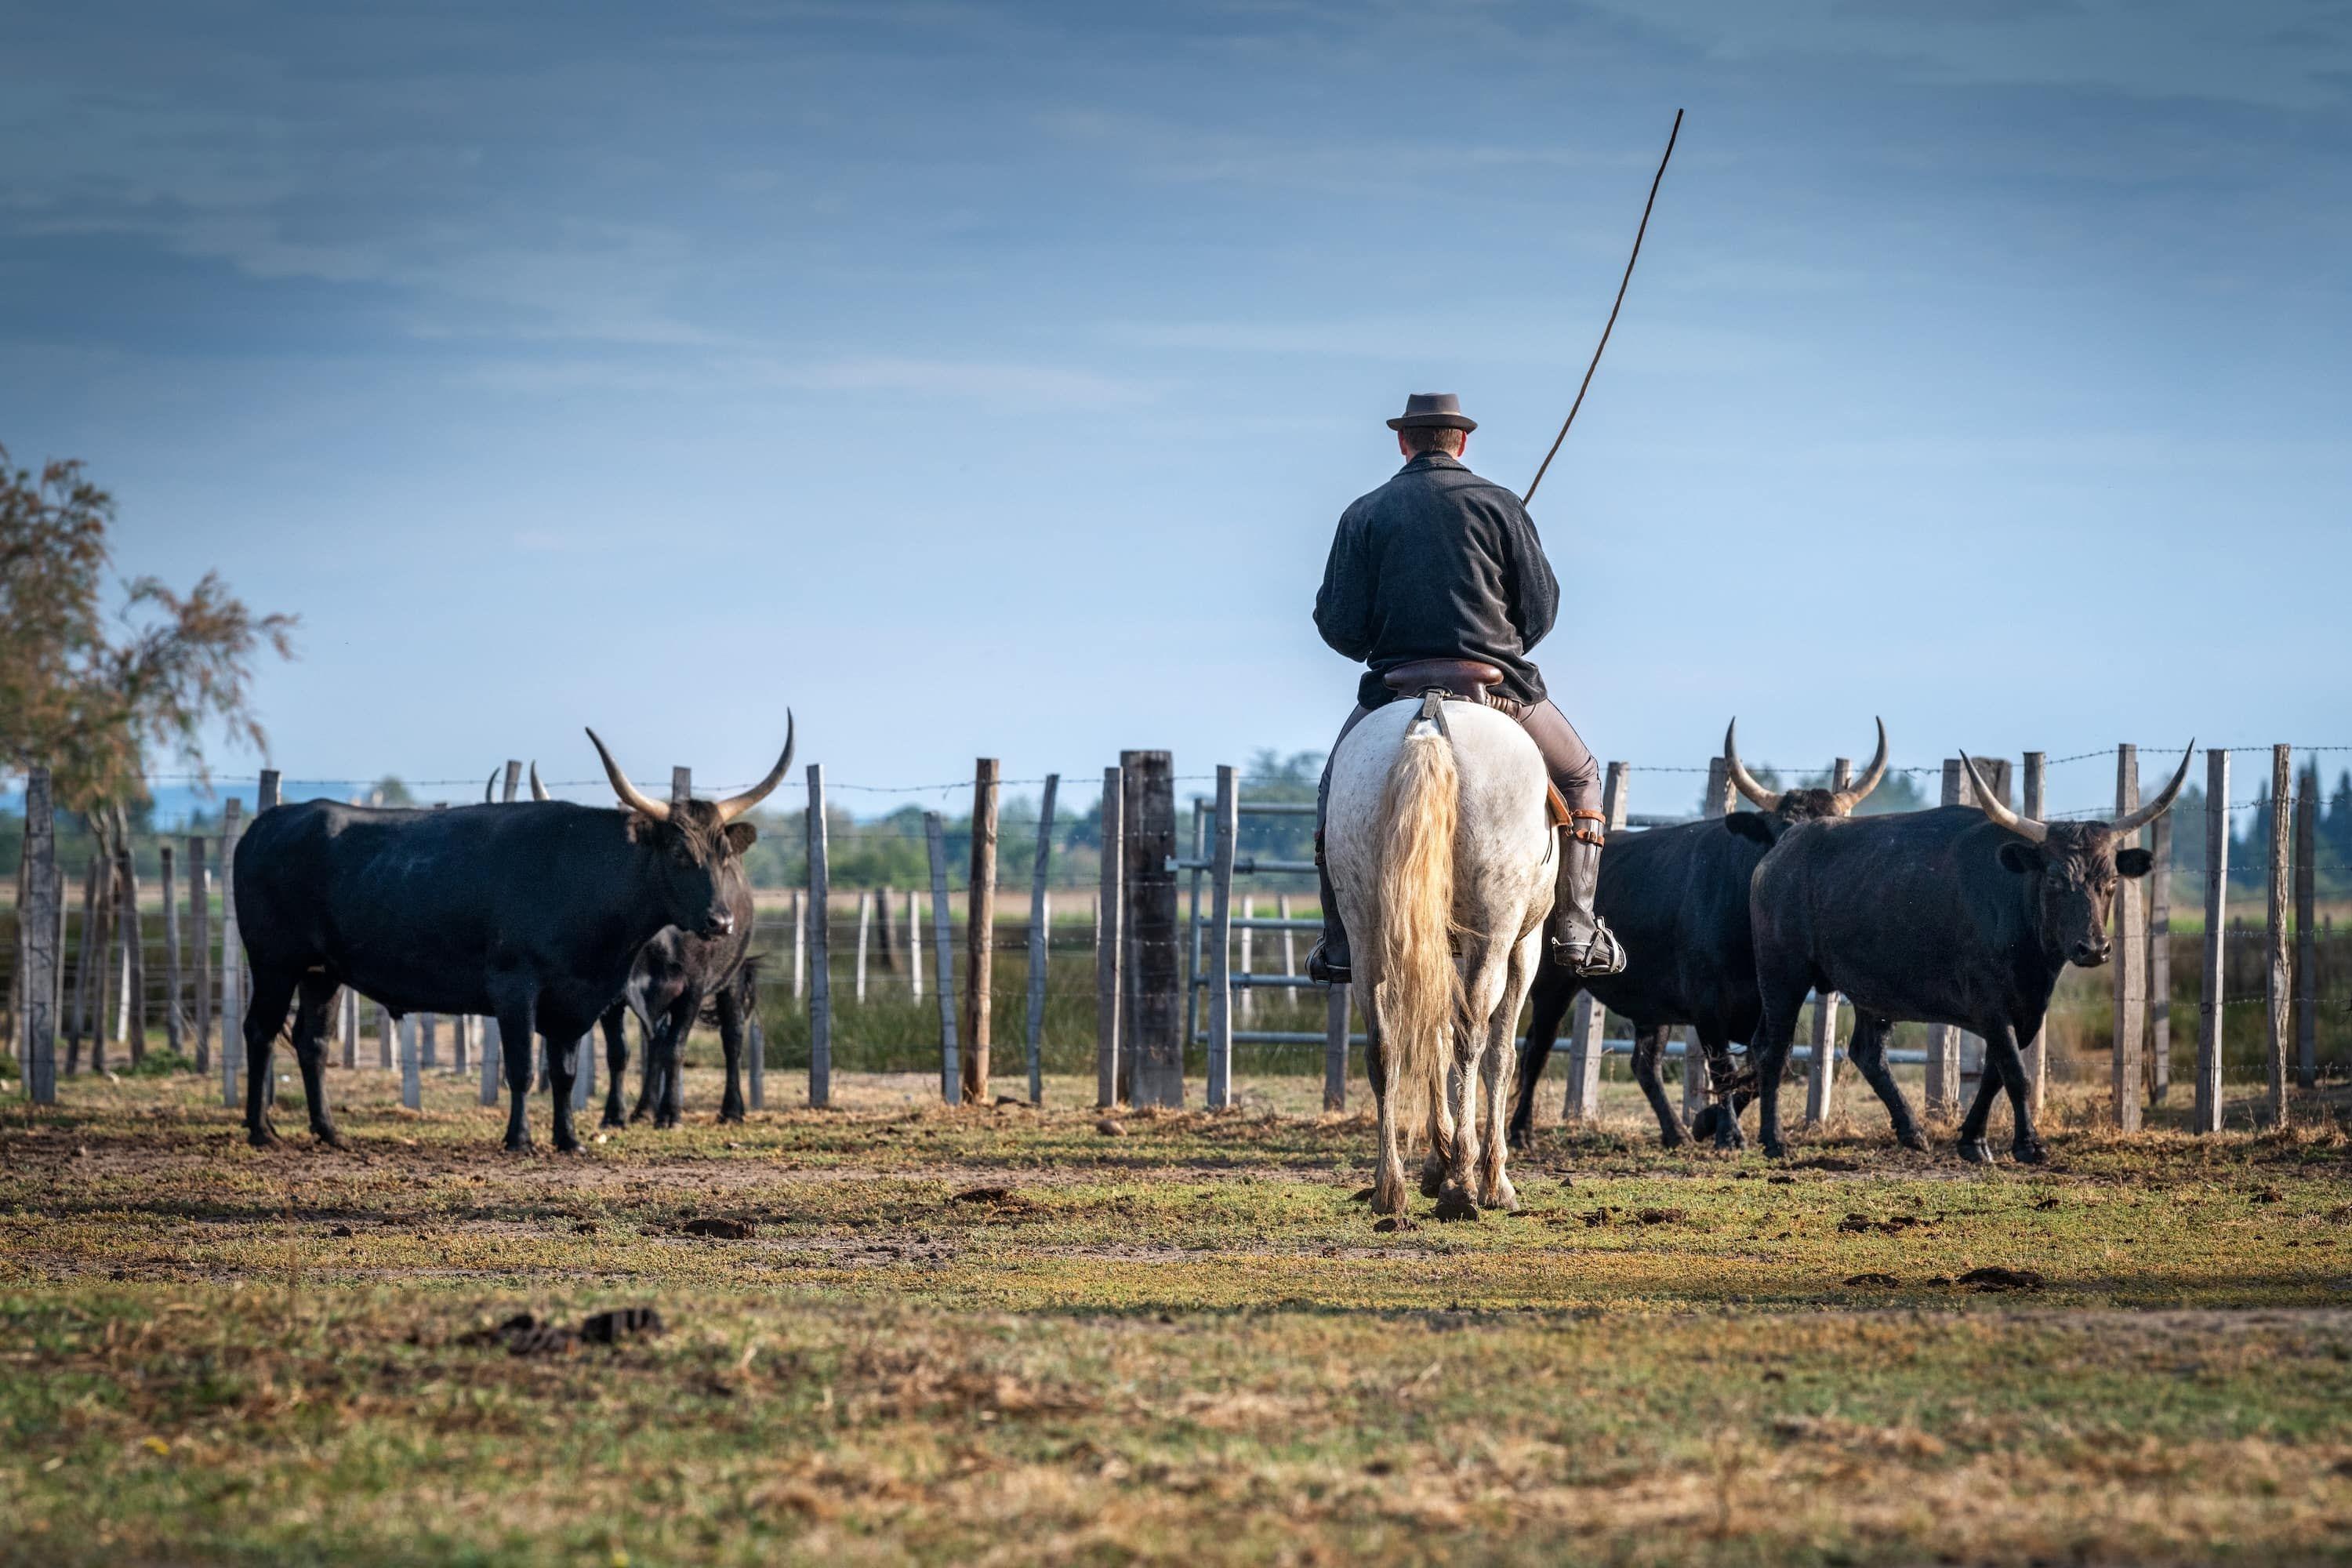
<point>1437,579</point>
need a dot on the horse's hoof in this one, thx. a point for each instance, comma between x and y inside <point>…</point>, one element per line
<point>1454,1203</point>
<point>1975,1151</point>
<point>1504,1198</point>
<point>2030,1153</point>
<point>1387,1199</point>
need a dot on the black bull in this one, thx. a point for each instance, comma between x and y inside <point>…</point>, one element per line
<point>533,914</point>
<point>1956,916</point>
<point>668,984</point>
<point>1677,899</point>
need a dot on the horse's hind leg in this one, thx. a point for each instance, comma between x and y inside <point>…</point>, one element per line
<point>1495,1189</point>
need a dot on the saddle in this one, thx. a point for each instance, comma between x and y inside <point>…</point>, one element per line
<point>1467,680</point>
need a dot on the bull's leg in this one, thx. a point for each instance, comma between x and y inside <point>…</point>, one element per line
<point>313,1013</point>
<point>265,1015</point>
<point>649,1034</point>
<point>731,1041</point>
<point>1972,1144</point>
<point>670,1107</point>
<point>1868,1053</point>
<point>562,1068</point>
<point>617,1060</point>
<point>518,1028</point>
<point>1769,1049</point>
<point>1721,1117</point>
<point>1547,1003</point>
<point>1649,1044</point>
<point>2025,1138</point>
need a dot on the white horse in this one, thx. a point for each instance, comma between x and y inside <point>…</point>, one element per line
<point>1439,849</point>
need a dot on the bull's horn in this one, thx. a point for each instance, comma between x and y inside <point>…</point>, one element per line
<point>1765,799</point>
<point>1851,796</point>
<point>1991,806</point>
<point>538,790</point>
<point>491,785</point>
<point>735,805</point>
<point>2156,808</point>
<point>630,795</point>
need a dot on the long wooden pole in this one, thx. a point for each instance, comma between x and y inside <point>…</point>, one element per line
<point>1110,942</point>
<point>2211,994</point>
<point>1041,934</point>
<point>41,941</point>
<point>174,1038</point>
<point>2279,975</point>
<point>200,907</point>
<point>979,934</point>
<point>231,1015</point>
<point>820,995</point>
<point>2125,1081</point>
<point>1221,945</point>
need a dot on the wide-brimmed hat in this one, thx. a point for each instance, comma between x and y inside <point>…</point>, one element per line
<point>1432,411</point>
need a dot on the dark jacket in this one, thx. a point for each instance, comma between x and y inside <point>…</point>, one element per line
<point>1438,563</point>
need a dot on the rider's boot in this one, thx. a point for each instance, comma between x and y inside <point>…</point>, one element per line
<point>1579,940</point>
<point>1329,963</point>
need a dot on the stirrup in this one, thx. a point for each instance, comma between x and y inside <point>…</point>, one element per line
<point>1322,971</point>
<point>1599,954</point>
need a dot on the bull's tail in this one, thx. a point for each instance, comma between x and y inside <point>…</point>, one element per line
<point>1417,989</point>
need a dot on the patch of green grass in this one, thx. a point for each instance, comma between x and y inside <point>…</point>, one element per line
<point>957,1334</point>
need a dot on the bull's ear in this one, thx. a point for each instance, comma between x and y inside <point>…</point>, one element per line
<point>2019,858</point>
<point>1751,825</point>
<point>2133,862</point>
<point>741,836</point>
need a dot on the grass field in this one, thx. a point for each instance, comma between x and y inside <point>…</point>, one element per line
<point>1007,1335</point>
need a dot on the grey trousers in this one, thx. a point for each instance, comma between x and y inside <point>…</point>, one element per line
<point>1566,758</point>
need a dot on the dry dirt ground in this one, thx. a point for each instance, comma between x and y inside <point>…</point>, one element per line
<point>893,1331</point>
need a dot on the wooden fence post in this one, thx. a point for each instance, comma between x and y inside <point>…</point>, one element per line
<point>2306,956</point>
<point>1588,1017</point>
<point>1158,1076</point>
<point>200,932</point>
<point>819,905</point>
<point>865,933</point>
<point>758,1045</point>
<point>943,946</point>
<point>1109,941</point>
<point>979,934</point>
<point>429,1041</point>
<point>1941,1095</point>
<point>885,943</point>
<point>2211,994</point>
<point>2280,978</point>
<point>1245,1004</point>
<point>1195,939</point>
<point>1221,945</point>
<point>347,1021</point>
<point>1719,801</point>
<point>231,971</point>
<point>1820,1088</point>
<point>1041,935</point>
<point>2160,959</point>
<point>1289,937</point>
<point>494,1057</point>
<point>40,942</point>
<point>800,946</point>
<point>2035,805</point>
<point>461,1041</point>
<point>2126,1080</point>
<point>412,1083</point>
<point>914,944</point>
<point>584,1070</point>
<point>134,942</point>
<point>85,980</point>
<point>174,1038</point>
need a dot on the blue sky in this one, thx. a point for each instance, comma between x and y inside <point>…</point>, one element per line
<point>985,379</point>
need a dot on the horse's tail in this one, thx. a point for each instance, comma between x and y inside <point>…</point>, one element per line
<point>1417,988</point>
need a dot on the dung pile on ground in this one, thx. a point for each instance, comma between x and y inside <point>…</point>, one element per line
<point>527,1334</point>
